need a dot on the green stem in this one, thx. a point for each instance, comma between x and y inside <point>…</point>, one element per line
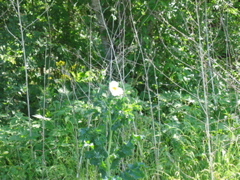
<point>109,146</point>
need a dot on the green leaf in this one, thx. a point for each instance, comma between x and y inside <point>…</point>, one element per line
<point>133,172</point>
<point>126,149</point>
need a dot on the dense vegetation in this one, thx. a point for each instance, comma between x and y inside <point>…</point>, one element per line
<point>176,61</point>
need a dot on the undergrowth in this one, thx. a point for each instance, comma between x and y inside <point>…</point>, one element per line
<point>175,67</point>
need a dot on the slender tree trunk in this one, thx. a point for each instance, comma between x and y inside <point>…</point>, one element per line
<point>105,36</point>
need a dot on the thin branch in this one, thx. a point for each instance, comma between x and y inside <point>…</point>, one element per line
<point>26,71</point>
<point>6,27</point>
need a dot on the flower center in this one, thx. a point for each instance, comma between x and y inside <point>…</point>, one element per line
<point>114,88</point>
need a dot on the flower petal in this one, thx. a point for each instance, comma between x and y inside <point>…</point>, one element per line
<point>114,89</point>
<point>113,84</point>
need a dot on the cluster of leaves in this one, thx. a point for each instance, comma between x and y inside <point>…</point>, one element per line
<point>108,117</point>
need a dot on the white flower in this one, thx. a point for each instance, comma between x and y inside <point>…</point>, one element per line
<point>114,89</point>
